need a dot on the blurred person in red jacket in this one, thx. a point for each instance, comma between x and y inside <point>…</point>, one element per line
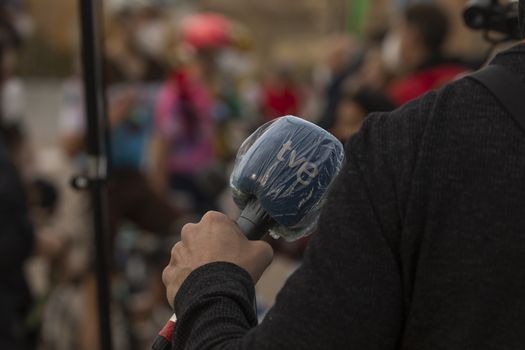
<point>280,95</point>
<point>418,51</point>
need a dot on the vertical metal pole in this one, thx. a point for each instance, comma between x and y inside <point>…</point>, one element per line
<point>97,160</point>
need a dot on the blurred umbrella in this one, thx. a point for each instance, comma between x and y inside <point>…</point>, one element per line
<point>206,30</point>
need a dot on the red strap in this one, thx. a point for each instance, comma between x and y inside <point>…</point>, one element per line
<point>167,331</point>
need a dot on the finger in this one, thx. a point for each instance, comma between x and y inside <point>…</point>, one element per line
<point>173,251</point>
<point>166,275</point>
<point>187,231</point>
<point>176,253</point>
<point>263,251</point>
<point>213,216</point>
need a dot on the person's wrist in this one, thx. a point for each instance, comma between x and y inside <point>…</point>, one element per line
<point>210,275</point>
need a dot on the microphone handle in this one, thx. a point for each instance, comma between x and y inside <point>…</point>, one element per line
<point>254,222</point>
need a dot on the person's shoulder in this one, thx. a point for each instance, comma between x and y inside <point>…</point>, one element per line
<point>463,100</point>
<point>393,140</point>
<point>410,120</point>
<point>400,128</point>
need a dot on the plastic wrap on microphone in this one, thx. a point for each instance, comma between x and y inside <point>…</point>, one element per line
<point>287,165</point>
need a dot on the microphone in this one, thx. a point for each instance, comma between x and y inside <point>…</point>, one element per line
<point>280,179</point>
<point>285,167</point>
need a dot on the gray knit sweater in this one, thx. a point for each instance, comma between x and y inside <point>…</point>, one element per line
<point>421,244</point>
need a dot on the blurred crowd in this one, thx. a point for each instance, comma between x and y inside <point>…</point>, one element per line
<point>182,95</point>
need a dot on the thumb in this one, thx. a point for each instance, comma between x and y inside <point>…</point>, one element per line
<point>263,250</point>
<point>261,258</point>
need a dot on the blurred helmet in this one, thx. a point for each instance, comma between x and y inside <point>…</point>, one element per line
<point>206,31</point>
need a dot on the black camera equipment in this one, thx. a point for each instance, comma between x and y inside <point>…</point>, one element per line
<point>494,16</point>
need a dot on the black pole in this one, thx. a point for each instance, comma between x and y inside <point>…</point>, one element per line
<point>96,143</point>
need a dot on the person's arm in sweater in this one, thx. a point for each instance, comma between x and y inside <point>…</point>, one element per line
<point>348,291</point>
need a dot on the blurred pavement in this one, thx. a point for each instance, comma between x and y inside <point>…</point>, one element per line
<point>41,111</point>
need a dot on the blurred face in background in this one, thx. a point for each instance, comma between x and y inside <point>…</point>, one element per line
<point>339,50</point>
<point>151,34</point>
<point>422,32</point>
<point>412,50</point>
<point>349,118</point>
<point>373,71</point>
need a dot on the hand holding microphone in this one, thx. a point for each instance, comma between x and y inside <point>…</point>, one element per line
<point>214,238</point>
<point>281,175</point>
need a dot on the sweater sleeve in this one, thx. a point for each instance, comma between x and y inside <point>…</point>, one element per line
<point>348,292</point>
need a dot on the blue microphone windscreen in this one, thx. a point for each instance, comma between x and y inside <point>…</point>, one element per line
<point>287,165</point>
